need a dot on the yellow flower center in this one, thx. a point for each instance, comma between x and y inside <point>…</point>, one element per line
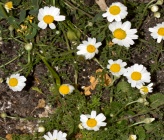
<point>13,82</point>
<point>64,89</point>
<point>91,122</point>
<point>91,48</point>
<point>136,76</point>
<point>115,67</point>
<point>119,34</point>
<point>48,19</point>
<point>114,10</point>
<point>161,31</point>
<point>145,89</point>
<point>9,5</point>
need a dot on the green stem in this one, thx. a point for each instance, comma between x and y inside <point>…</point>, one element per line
<point>95,59</point>
<point>29,57</point>
<point>140,23</point>
<point>136,123</point>
<point>11,61</point>
<point>54,74</point>
<point>131,103</point>
<point>53,2</point>
<point>65,36</point>
<point>77,8</point>
<point>69,49</point>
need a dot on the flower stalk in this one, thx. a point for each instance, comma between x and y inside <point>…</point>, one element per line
<point>54,74</point>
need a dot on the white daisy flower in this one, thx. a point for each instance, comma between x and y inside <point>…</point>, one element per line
<point>157,32</point>
<point>8,6</point>
<point>65,89</point>
<point>89,48</point>
<point>145,89</point>
<point>93,121</point>
<point>137,75</point>
<point>116,67</point>
<point>48,15</point>
<point>57,135</point>
<point>122,33</point>
<point>16,82</point>
<point>132,137</point>
<point>116,11</point>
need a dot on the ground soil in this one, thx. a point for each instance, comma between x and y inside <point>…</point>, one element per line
<point>23,103</point>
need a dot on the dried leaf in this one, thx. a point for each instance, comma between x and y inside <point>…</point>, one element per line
<point>102,4</point>
<point>9,136</point>
<point>110,44</point>
<point>93,82</point>
<point>87,90</point>
<point>41,103</point>
<point>105,77</point>
<point>78,136</point>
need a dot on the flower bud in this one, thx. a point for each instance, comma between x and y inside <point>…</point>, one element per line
<point>1,80</point>
<point>132,137</point>
<point>154,8</point>
<point>146,103</point>
<point>148,120</point>
<point>41,129</point>
<point>58,32</point>
<point>80,126</point>
<point>159,2</point>
<point>28,46</point>
<point>90,24</point>
<point>73,35</point>
<point>157,14</point>
<point>3,115</point>
<point>11,28</point>
<point>141,100</point>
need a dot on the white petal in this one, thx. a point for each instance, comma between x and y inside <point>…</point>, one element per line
<point>93,114</point>
<point>52,26</point>
<point>59,18</point>
<point>42,25</point>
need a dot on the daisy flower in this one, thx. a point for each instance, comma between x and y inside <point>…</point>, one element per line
<point>157,32</point>
<point>48,15</point>
<point>65,89</point>
<point>137,75</point>
<point>145,89</point>
<point>57,135</point>
<point>116,11</point>
<point>89,48</point>
<point>132,137</point>
<point>116,67</point>
<point>8,6</point>
<point>93,121</point>
<point>122,33</point>
<point>16,82</point>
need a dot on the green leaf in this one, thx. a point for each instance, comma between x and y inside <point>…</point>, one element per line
<point>36,3</point>
<point>22,16</point>
<point>156,100</point>
<point>3,13</point>
<point>13,21</point>
<point>123,86</point>
<point>101,36</point>
<point>16,2</point>
<point>34,12</point>
<point>115,106</point>
<point>32,34</point>
<point>98,17</point>
<point>140,133</point>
